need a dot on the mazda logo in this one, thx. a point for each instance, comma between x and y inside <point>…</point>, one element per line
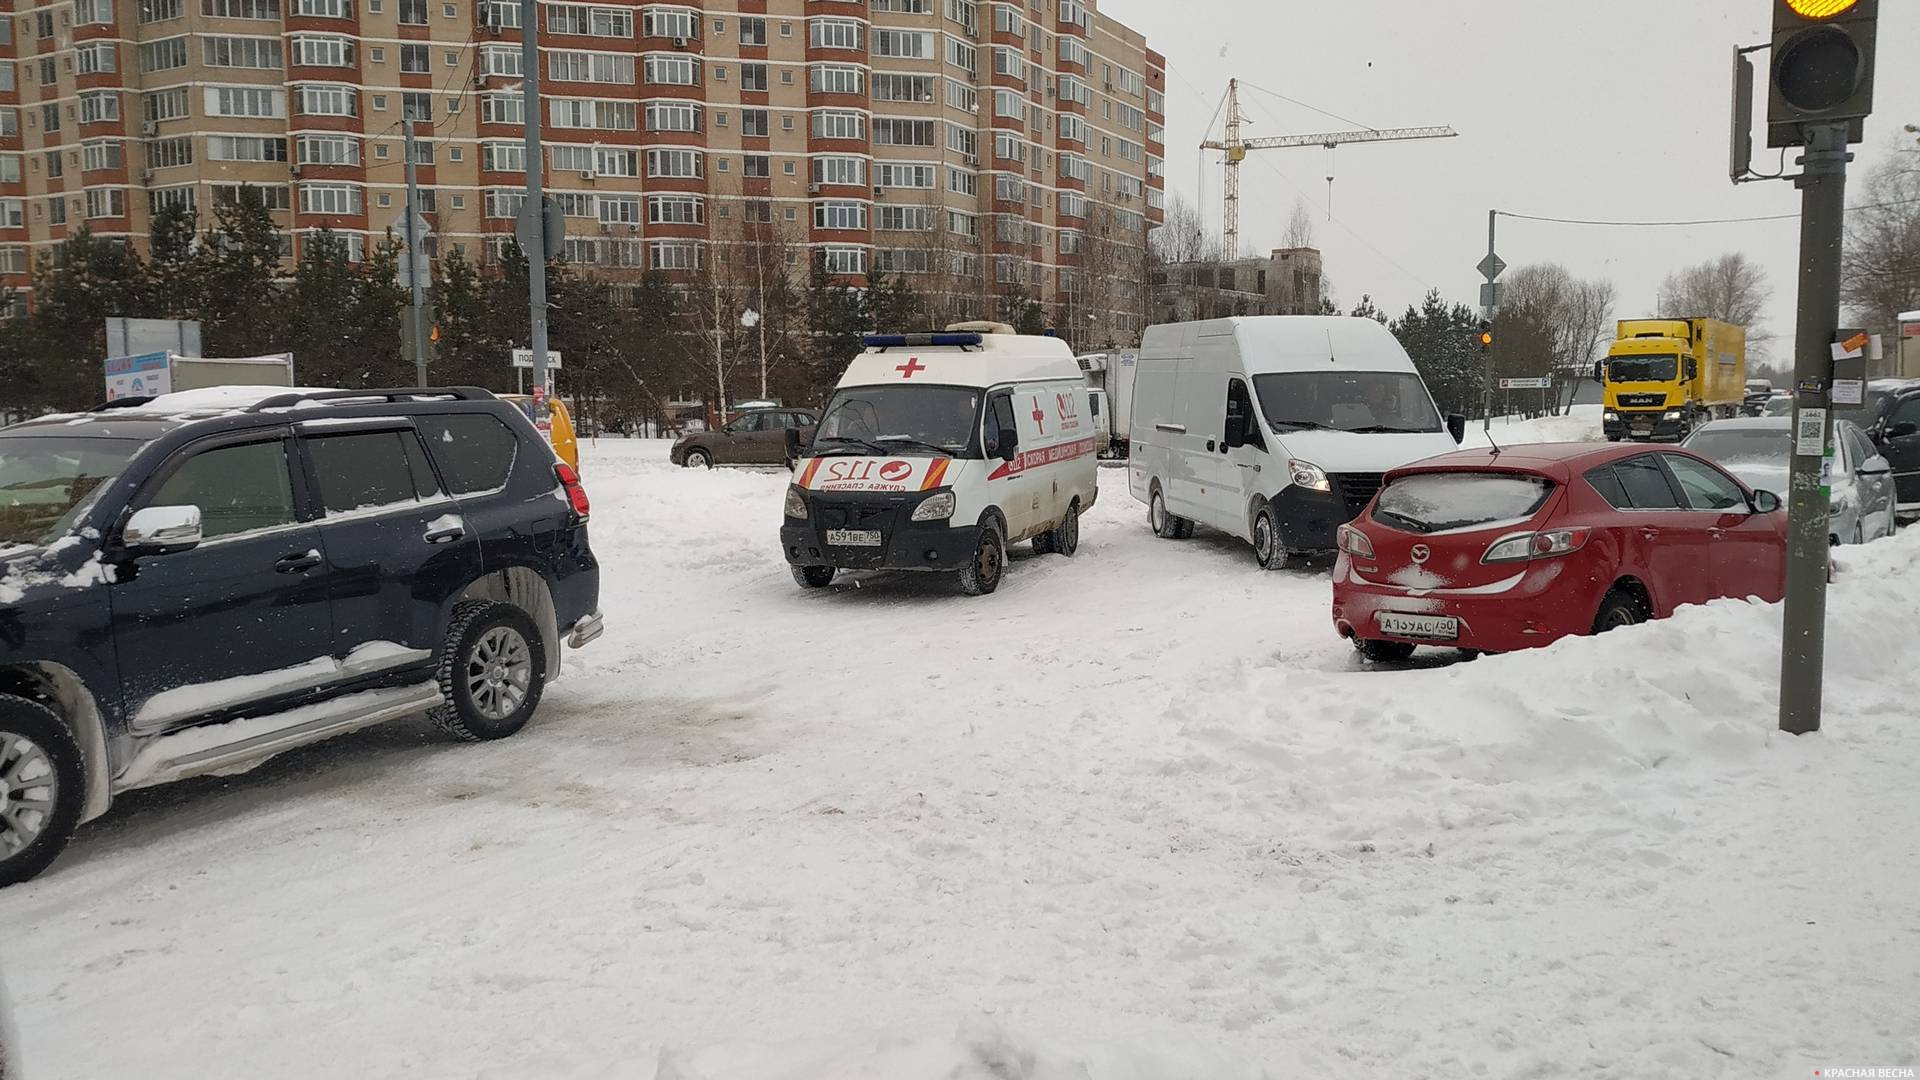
<point>1421,553</point>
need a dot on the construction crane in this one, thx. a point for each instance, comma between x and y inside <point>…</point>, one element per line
<point>1236,149</point>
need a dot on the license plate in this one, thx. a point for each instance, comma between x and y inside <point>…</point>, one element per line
<point>1425,627</point>
<point>854,537</point>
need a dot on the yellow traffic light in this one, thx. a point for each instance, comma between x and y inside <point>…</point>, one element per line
<point>1486,339</point>
<point>1821,9</point>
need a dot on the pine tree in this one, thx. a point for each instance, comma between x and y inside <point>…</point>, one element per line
<point>467,355</point>
<point>379,304</point>
<point>91,279</point>
<point>173,286</point>
<point>321,303</point>
<point>1443,341</point>
<point>838,318</point>
<point>243,305</point>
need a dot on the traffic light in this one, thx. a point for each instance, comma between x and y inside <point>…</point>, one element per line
<point>1485,337</point>
<point>1822,72</point>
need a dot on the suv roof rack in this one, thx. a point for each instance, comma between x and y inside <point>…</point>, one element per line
<point>122,403</point>
<point>348,397</point>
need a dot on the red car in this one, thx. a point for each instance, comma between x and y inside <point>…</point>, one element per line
<point>1493,552</point>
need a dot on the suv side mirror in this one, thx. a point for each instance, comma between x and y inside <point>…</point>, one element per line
<point>159,530</point>
<point>1457,426</point>
<point>1765,502</point>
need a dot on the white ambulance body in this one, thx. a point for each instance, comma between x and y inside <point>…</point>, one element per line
<point>937,451</point>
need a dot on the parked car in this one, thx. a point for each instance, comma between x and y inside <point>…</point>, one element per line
<point>1890,416</point>
<point>758,437</point>
<point>1759,452</point>
<point>1498,551</point>
<point>1778,405</point>
<point>1759,392</point>
<point>1275,429</point>
<point>186,592</point>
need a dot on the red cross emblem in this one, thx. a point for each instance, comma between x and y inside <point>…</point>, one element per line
<point>908,369</point>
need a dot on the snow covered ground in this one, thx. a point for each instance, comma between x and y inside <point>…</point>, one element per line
<point>1139,815</point>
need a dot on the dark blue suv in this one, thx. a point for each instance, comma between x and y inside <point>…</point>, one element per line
<point>192,589</point>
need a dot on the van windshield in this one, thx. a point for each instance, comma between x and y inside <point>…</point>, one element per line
<point>1357,401</point>
<point>1643,369</point>
<point>893,419</point>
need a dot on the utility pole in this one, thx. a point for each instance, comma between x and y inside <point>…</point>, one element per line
<point>535,242</point>
<point>1490,268</point>
<point>416,262</point>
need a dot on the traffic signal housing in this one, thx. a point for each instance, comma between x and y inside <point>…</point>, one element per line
<point>1822,71</point>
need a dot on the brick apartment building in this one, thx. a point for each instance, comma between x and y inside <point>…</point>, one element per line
<point>1004,145</point>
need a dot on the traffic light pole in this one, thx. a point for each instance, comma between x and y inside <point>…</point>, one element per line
<point>536,243</point>
<point>1823,189</point>
<point>417,314</point>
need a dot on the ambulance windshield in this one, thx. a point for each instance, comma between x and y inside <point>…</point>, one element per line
<point>892,419</point>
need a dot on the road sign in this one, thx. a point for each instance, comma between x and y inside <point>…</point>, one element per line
<point>1526,384</point>
<point>1491,266</point>
<point>523,358</point>
<point>1492,293</point>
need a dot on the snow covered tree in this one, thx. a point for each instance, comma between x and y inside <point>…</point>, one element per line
<point>1881,272</point>
<point>242,303</point>
<point>75,290</point>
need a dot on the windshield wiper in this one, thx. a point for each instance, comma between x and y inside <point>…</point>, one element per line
<point>908,440</point>
<point>1412,525</point>
<point>1382,429</point>
<point>854,446</point>
<point>1304,425</point>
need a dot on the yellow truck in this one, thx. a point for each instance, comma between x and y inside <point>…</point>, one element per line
<point>1665,377</point>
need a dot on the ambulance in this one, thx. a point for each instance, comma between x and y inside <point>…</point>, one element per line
<point>939,451</point>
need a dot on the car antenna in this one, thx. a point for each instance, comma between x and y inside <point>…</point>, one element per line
<point>1490,442</point>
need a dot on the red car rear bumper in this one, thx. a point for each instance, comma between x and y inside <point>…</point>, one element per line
<point>1546,603</point>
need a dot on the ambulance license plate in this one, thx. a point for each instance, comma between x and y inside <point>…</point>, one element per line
<point>1424,627</point>
<point>854,537</point>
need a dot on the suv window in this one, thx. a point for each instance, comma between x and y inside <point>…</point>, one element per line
<point>1705,487</point>
<point>1635,484</point>
<point>369,469</point>
<point>237,488</point>
<point>475,451</point>
<point>1907,412</point>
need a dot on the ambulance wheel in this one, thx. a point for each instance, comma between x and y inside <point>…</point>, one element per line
<point>982,573</point>
<point>1273,555</point>
<point>1065,540</point>
<point>1165,525</point>
<point>812,577</point>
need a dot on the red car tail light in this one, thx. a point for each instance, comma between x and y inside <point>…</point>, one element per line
<point>570,482</point>
<point>1355,543</point>
<point>1525,547</point>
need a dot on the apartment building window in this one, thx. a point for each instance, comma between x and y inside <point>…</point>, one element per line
<point>918,88</point>
<point>416,105</point>
<point>571,159</point>
<point>241,9</point>
<point>577,19</point>
<point>339,199</point>
<point>572,203</point>
<point>619,209</point>
<point>753,30</point>
<point>753,123</point>
<point>962,224</point>
<point>1074,51</point>
<point>414,59</point>
<point>1075,167</point>
<point>963,141</point>
<point>1074,90</point>
<point>672,116</point>
<point>1073,204</point>
<point>324,50</point>
<point>1129,150</point>
<point>1127,81</point>
<point>612,68</point>
<point>966,13</point>
<point>170,153</point>
<point>1010,63</point>
<point>963,56</point>
<point>310,100</point>
<point>95,57</point>
<point>962,182</point>
<point>904,218</point>
<point>500,60</point>
<point>50,116</point>
<point>6,73</point>
<point>617,162</point>
<point>423,151</point>
<point>258,53</point>
<point>835,79</point>
<point>413,12</point>
<point>180,198</point>
<point>324,9</point>
<point>271,196</point>
<point>49,71</point>
<point>589,113</point>
<point>668,69</point>
<point>1010,229</point>
<point>13,213</point>
<point>1007,188</point>
<point>327,150</point>
<point>840,215</point>
<point>668,22</point>
<point>1156,101</point>
<point>100,12</point>
<point>905,7</point>
<point>838,124</point>
<point>911,44</point>
<point>962,96</point>
<point>844,260</point>
<point>13,258</point>
<point>849,171</point>
<point>1129,117</point>
<point>1009,103</point>
<point>673,255</point>
<point>896,131</point>
<point>503,109</point>
<point>99,106</point>
<point>1008,270</point>
<point>675,210</point>
<point>753,77</point>
<point>504,14</point>
<point>503,156</point>
<point>164,55</point>
<point>10,211</point>
<point>1072,129</point>
<point>106,202</point>
<point>505,202</point>
<point>754,211</point>
<point>752,166</point>
<point>834,33</point>
<point>1156,132</point>
<point>10,172</point>
<point>1007,20</point>
<point>245,148</point>
<point>9,123</point>
<point>888,174</point>
<point>1077,14</point>
<point>675,164</point>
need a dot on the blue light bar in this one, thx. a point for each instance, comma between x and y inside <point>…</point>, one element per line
<point>895,341</point>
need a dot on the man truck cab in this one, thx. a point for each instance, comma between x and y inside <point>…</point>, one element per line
<point>1275,429</point>
<point>1665,377</point>
<point>937,451</point>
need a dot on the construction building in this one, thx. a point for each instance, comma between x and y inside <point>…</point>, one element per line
<point>998,146</point>
<point>1286,283</point>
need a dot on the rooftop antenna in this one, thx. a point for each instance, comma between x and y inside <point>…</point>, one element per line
<point>1495,445</point>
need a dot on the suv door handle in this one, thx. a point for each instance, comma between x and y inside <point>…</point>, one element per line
<point>445,536</point>
<point>299,562</point>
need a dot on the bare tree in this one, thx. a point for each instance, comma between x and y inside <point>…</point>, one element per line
<point>1183,238</point>
<point>1299,232</point>
<point>1731,288</point>
<point>1881,272</point>
<point>1566,319</point>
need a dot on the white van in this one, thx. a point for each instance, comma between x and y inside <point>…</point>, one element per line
<point>1276,429</point>
<point>937,451</point>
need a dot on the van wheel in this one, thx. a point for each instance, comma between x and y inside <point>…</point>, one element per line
<point>42,787</point>
<point>1165,525</point>
<point>982,573</point>
<point>1273,555</point>
<point>1383,652</point>
<point>492,671</point>
<point>812,577</point>
<point>1064,540</point>
<point>1620,609</point>
<point>698,459</point>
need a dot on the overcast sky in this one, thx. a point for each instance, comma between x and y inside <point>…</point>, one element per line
<point>1612,110</point>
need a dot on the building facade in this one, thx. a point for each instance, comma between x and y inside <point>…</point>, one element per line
<point>1288,282</point>
<point>986,147</point>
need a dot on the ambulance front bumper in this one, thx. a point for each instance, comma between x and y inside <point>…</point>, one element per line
<point>874,534</point>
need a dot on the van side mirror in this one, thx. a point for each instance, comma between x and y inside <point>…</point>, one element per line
<point>161,530</point>
<point>1457,426</point>
<point>1008,447</point>
<point>1236,433</point>
<point>793,444</point>
<point>1765,502</point>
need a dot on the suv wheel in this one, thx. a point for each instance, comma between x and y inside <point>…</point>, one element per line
<point>42,787</point>
<point>492,671</point>
<point>699,459</point>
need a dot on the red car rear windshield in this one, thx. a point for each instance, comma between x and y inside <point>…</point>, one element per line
<point>1437,502</point>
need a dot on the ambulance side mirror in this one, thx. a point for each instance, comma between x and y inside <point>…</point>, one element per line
<point>793,444</point>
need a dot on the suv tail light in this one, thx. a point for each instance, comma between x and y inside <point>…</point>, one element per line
<point>1525,547</point>
<point>570,483</point>
<point>1355,543</point>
